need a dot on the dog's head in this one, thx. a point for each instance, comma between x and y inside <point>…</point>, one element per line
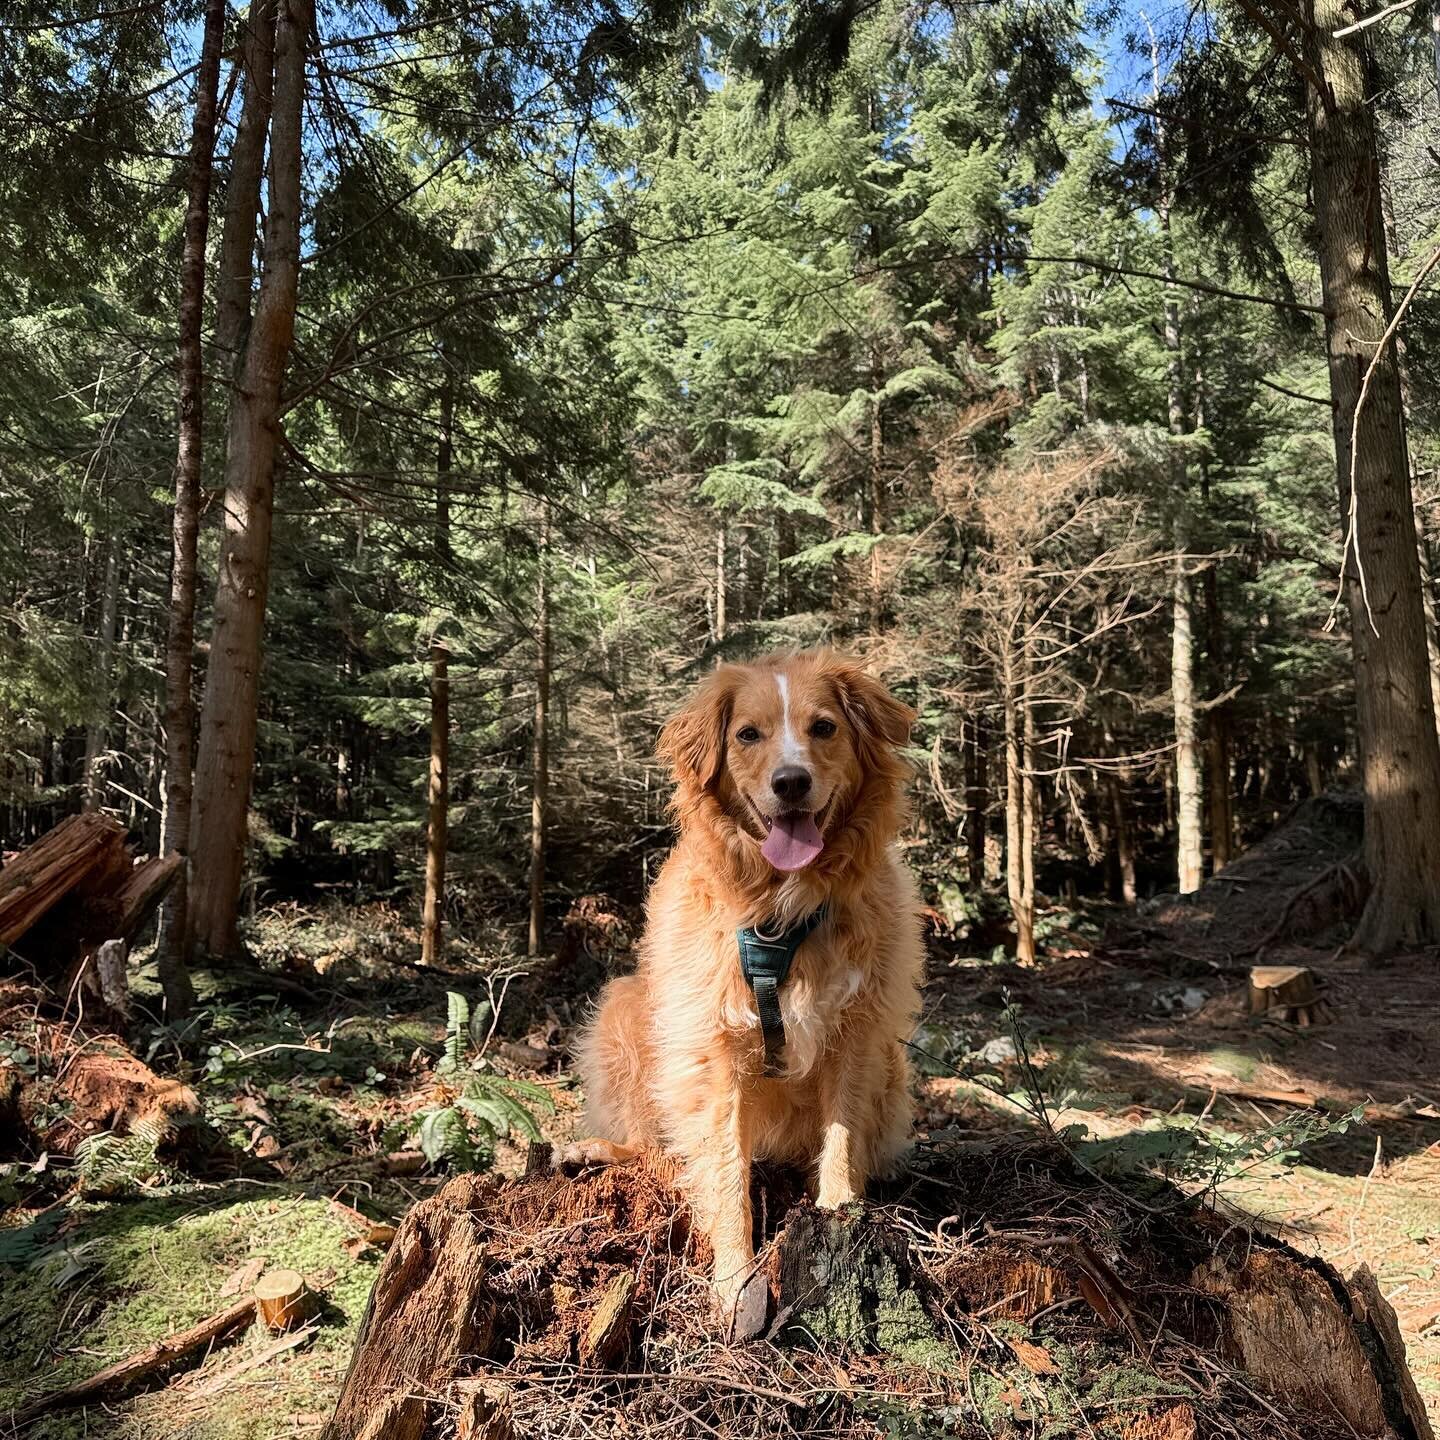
<point>786,748</point>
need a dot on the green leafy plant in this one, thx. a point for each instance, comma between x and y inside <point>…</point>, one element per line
<point>17,1055</point>
<point>462,1129</point>
<point>109,1165</point>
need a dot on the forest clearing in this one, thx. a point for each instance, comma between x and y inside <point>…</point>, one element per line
<point>415,419</point>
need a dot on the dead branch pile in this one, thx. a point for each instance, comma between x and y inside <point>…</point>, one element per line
<point>998,1292</point>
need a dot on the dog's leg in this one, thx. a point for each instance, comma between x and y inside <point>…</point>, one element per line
<point>717,1178</point>
<point>846,1103</point>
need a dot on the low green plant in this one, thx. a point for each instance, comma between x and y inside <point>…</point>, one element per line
<point>1186,1149</point>
<point>13,1053</point>
<point>108,1166</point>
<point>462,1128</point>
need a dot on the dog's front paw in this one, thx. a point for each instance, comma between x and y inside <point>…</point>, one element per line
<point>836,1197</point>
<point>588,1153</point>
<point>742,1304</point>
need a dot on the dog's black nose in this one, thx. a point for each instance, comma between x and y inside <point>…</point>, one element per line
<point>791,782</point>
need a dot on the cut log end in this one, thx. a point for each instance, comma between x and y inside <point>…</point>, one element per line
<point>283,1301</point>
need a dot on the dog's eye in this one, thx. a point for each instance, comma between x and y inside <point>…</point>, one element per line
<point>747,734</point>
<point>823,729</point>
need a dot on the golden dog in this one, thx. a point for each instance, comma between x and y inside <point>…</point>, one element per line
<point>788,801</point>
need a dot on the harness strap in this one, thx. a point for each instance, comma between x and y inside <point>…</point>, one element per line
<point>765,961</point>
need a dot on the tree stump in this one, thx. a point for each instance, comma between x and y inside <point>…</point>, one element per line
<point>1287,992</point>
<point>283,1301</point>
<point>507,1308</point>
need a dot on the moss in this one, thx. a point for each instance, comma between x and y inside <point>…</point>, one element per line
<point>867,1302</point>
<point>127,1274</point>
<point>1233,1062</point>
<point>903,1329</point>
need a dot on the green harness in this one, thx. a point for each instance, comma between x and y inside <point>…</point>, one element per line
<point>765,962</point>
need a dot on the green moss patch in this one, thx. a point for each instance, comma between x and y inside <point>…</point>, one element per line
<point>115,1278</point>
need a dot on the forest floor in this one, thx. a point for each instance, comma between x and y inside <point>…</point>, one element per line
<point>1132,1026</point>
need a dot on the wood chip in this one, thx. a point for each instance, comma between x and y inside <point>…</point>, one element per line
<point>1035,1358</point>
<point>245,1277</point>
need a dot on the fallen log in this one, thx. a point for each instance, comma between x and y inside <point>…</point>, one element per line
<point>147,1364</point>
<point>73,893</point>
<point>74,854</point>
<point>1002,1261</point>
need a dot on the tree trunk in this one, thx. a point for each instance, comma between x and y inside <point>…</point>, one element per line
<point>977,798</point>
<point>1124,845</point>
<point>228,721</point>
<point>540,741</point>
<point>720,620</point>
<point>1189,810</point>
<point>236,265</point>
<point>877,507</point>
<point>185,522</point>
<point>1017,829</point>
<point>1222,812</point>
<point>1029,815</point>
<point>96,731</point>
<point>437,832</point>
<point>1399,753</point>
<point>1432,619</point>
<point>432,941</point>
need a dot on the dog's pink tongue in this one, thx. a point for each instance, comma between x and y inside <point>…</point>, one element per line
<point>793,842</point>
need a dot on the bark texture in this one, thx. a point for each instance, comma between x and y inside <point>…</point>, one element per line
<point>437,832</point>
<point>95,732</point>
<point>486,1280</point>
<point>1019,811</point>
<point>1189,806</point>
<point>228,721</point>
<point>1400,757</point>
<point>236,268</point>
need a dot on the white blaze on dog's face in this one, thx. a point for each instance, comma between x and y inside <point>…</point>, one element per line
<point>785,745</point>
<point>789,756</point>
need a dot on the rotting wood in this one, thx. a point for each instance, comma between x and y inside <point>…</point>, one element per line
<point>111,1090</point>
<point>605,1337</point>
<point>110,976</point>
<point>1303,1335</point>
<point>401,1417</point>
<point>532,1264</point>
<point>484,1412</point>
<point>1375,1311</point>
<point>125,1375</point>
<point>61,861</point>
<point>433,1276</point>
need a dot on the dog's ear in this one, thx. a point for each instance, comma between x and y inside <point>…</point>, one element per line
<point>874,712</point>
<point>692,744</point>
